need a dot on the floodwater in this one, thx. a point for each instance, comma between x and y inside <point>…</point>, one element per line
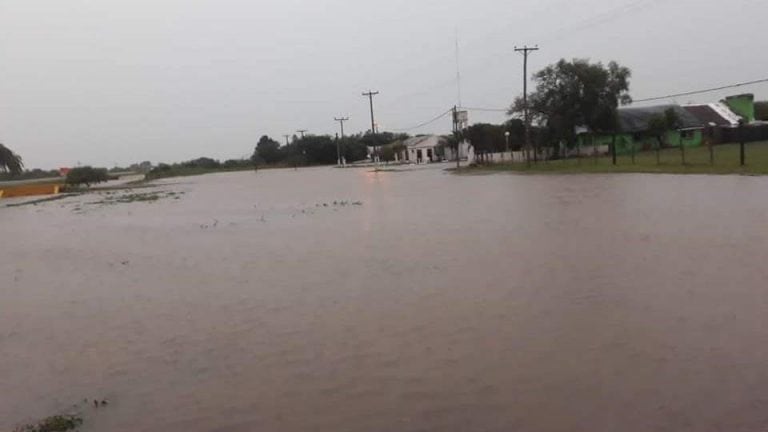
<point>419,301</point>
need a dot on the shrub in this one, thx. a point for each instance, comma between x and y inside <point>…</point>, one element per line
<point>87,176</point>
<point>53,424</point>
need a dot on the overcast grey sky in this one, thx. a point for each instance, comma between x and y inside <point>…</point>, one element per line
<point>118,81</point>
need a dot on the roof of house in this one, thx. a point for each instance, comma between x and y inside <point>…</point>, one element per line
<point>636,119</point>
<point>424,141</point>
<point>717,113</point>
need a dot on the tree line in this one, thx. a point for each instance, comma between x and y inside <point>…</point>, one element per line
<point>320,149</point>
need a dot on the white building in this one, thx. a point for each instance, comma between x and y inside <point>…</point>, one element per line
<point>428,149</point>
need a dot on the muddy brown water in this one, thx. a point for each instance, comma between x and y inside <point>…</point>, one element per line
<point>441,303</point>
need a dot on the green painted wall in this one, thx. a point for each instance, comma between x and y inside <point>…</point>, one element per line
<point>693,139</point>
<point>743,105</point>
<point>625,143</point>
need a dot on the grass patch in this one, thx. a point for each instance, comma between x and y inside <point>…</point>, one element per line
<point>60,423</point>
<point>42,200</point>
<point>191,171</point>
<point>697,161</point>
<point>146,197</point>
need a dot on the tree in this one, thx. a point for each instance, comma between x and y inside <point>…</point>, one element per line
<point>87,175</point>
<point>10,161</point>
<point>353,149</point>
<point>486,138</point>
<point>659,125</point>
<point>203,162</point>
<point>268,150</point>
<point>576,93</point>
<point>318,149</point>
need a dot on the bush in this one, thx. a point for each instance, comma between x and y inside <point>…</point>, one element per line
<point>53,424</point>
<point>203,162</point>
<point>87,176</point>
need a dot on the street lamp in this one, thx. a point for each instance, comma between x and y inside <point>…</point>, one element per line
<point>506,136</point>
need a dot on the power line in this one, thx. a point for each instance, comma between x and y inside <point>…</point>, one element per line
<point>504,110</point>
<point>600,18</point>
<point>426,123</point>
<point>695,92</point>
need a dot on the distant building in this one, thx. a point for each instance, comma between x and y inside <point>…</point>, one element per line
<point>430,148</point>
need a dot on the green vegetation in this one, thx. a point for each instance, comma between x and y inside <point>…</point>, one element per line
<point>34,174</point>
<point>488,138</point>
<point>323,149</point>
<point>576,94</point>
<point>308,151</point>
<point>62,423</point>
<point>197,167</point>
<point>87,176</point>
<point>10,161</point>
<point>147,197</point>
<point>726,161</point>
<point>41,200</point>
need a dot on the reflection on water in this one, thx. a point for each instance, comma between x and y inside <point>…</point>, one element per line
<point>473,303</point>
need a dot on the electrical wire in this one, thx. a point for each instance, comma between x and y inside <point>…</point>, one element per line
<point>504,110</point>
<point>426,123</point>
<point>695,92</point>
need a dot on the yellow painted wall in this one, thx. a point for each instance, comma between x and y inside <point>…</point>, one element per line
<point>29,190</point>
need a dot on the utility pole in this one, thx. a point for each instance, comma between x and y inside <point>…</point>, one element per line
<point>526,50</point>
<point>302,132</point>
<point>370,94</point>
<point>742,152</point>
<point>456,135</point>
<point>341,121</point>
<point>286,138</point>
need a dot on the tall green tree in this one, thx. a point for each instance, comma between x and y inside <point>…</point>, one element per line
<point>486,138</point>
<point>267,150</point>
<point>576,93</point>
<point>10,161</point>
<point>660,124</point>
<point>353,149</point>
<point>318,149</point>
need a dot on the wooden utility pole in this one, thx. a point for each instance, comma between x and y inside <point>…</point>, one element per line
<point>341,121</point>
<point>682,147</point>
<point>370,94</point>
<point>526,50</point>
<point>742,151</point>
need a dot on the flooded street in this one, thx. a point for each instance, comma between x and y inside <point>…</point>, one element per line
<point>345,300</point>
